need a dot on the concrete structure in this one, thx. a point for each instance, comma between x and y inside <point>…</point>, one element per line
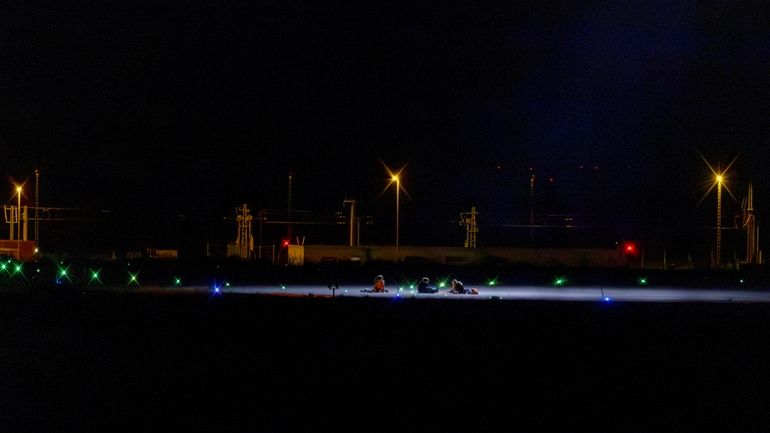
<point>585,257</point>
<point>18,249</point>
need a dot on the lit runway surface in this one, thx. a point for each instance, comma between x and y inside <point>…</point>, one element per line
<point>590,294</point>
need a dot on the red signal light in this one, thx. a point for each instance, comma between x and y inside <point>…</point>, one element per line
<point>629,249</point>
<point>285,243</point>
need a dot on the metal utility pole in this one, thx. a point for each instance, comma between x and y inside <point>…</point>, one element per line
<point>288,210</point>
<point>749,223</point>
<point>37,207</point>
<point>244,241</point>
<point>468,219</point>
<point>352,233</point>
<point>532,208</point>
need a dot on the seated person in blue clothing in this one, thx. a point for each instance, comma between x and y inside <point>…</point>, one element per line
<point>424,286</point>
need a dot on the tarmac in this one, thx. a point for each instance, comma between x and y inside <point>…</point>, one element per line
<point>289,358</point>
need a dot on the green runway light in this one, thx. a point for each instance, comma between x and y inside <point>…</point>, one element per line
<point>643,281</point>
<point>492,282</point>
<point>177,281</point>
<point>227,284</point>
<point>16,269</point>
<point>559,281</point>
<point>132,278</point>
<point>63,273</point>
<point>95,276</point>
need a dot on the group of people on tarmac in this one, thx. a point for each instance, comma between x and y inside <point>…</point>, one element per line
<point>424,287</point>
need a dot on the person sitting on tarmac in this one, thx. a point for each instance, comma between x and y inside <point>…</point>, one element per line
<point>379,284</point>
<point>424,286</point>
<point>458,288</point>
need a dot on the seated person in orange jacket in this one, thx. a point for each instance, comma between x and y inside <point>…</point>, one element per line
<point>379,284</point>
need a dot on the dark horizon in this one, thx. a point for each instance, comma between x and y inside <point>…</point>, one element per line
<point>155,111</point>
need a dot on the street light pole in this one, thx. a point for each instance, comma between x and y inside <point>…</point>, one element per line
<point>720,177</point>
<point>398,187</point>
<point>18,212</point>
<point>395,177</point>
<point>18,223</point>
<point>719,222</point>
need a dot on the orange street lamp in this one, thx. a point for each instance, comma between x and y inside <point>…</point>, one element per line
<point>719,181</point>
<point>395,177</point>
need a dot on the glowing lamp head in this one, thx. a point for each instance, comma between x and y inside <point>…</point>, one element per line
<point>720,178</point>
<point>18,190</point>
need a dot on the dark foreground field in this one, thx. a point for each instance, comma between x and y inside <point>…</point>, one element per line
<point>97,361</point>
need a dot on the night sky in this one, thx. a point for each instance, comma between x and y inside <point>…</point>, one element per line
<point>151,110</point>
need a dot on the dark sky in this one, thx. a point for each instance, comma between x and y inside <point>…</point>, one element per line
<point>153,109</point>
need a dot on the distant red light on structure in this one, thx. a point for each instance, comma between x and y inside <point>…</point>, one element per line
<point>630,249</point>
